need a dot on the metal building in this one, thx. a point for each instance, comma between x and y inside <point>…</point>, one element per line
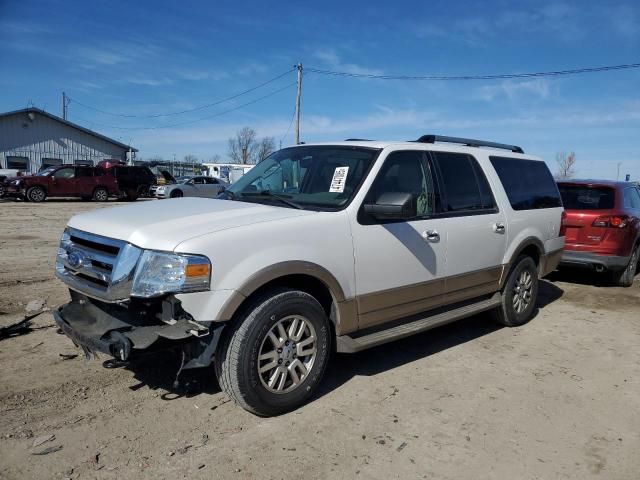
<point>31,139</point>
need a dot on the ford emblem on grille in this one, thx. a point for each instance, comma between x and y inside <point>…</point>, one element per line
<point>75,259</point>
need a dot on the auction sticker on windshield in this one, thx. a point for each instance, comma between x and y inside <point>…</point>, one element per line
<point>339,179</point>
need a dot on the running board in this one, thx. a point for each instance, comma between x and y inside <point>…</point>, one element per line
<point>348,344</point>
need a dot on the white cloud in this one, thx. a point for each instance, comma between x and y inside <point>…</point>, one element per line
<point>331,59</point>
<point>538,88</point>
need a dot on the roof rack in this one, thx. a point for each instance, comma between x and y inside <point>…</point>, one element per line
<point>358,140</point>
<point>469,142</point>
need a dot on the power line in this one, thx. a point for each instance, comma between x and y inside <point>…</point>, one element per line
<point>202,107</point>
<point>218,114</point>
<point>499,76</point>
<point>289,127</point>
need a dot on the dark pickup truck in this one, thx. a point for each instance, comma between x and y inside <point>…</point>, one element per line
<point>89,183</point>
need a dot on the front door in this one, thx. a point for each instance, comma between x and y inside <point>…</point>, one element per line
<point>399,265</point>
<point>63,182</point>
<point>476,230</point>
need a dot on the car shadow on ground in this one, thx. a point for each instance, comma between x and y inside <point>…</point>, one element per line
<point>582,276</point>
<point>395,354</point>
<point>158,371</point>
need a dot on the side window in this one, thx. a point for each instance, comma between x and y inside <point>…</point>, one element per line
<point>631,198</point>
<point>211,181</point>
<point>64,173</point>
<point>528,183</point>
<point>198,180</point>
<point>464,186</point>
<point>84,172</point>
<point>405,172</point>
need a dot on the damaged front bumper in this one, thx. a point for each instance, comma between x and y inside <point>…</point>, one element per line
<point>123,331</point>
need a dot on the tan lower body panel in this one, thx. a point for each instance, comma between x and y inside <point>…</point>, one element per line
<point>388,305</point>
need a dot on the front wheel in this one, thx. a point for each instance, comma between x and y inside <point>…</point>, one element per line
<point>519,294</point>
<point>625,277</point>
<point>176,194</point>
<point>274,357</point>
<point>100,194</point>
<point>36,194</point>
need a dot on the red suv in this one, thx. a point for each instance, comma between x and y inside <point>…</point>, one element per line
<point>602,227</point>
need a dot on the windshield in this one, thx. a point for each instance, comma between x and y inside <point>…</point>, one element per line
<point>183,179</point>
<point>46,171</point>
<point>312,177</point>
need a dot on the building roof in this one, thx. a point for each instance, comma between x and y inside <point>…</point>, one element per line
<point>68,123</point>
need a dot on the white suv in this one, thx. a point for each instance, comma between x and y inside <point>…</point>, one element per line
<point>340,246</point>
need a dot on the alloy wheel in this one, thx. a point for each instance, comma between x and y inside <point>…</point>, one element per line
<point>522,291</point>
<point>287,354</point>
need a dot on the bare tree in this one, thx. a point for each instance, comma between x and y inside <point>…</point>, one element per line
<point>266,147</point>
<point>566,163</point>
<point>242,147</point>
<point>215,158</point>
<point>191,159</point>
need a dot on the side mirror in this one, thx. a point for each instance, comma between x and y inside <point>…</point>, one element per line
<point>392,206</point>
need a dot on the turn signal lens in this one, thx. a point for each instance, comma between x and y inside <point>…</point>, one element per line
<point>197,270</point>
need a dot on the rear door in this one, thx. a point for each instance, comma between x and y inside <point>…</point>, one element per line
<point>85,181</point>
<point>212,187</point>
<point>63,182</point>
<point>475,228</point>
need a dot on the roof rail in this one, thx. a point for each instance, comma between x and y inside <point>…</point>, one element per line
<point>470,142</point>
<point>358,140</point>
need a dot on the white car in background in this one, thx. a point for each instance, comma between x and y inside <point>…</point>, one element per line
<point>198,186</point>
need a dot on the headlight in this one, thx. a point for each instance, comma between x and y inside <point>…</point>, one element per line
<point>161,189</point>
<point>159,273</point>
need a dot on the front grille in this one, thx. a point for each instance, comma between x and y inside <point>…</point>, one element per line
<point>97,266</point>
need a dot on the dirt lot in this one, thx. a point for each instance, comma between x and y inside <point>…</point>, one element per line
<point>555,399</point>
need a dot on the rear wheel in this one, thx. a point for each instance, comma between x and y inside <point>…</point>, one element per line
<point>625,277</point>
<point>131,195</point>
<point>3,190</point>
<point>100,194</point>
<point>36,194</point>
<point>274,357</point>
<point>176,194</point>
<point>519,294</point>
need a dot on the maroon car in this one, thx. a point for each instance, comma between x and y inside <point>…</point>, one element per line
<point>65,181</point>
<point>602,227</point>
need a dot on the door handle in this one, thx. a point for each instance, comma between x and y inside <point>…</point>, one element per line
<point>431,235</point>
<point>498,227</point>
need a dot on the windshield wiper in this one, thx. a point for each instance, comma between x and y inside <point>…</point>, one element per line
<point>270,194</point>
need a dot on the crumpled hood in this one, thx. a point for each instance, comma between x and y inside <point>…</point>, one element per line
<point>164,224</point>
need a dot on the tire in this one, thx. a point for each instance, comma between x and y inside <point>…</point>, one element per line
<point>100,194</point>
<point>131,195</point>
<point>36,194</point>
<point>250,345</point>
<point>624,278</point>
<point>3,191</point>
<point>519,294</point>
<point>176,194</point>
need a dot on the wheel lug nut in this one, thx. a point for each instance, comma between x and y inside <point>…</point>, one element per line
<point>286,343</point>
<point>287,364</point>
<point>279,350</point>
<point>279,361</point>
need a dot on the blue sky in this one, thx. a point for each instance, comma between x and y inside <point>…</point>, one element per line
<point>146,58</point>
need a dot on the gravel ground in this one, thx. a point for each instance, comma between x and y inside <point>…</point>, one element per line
<point>557,398</point>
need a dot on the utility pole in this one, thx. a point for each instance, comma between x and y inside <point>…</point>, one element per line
<point>298,95</point>
<point>64,106</point>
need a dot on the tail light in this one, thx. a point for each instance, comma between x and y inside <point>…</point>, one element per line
<point>563,227</point>
<point>611,221</point>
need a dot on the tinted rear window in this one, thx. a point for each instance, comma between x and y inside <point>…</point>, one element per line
<point>465,186</point>
<point>583,197</point>
<point>528,183</point>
